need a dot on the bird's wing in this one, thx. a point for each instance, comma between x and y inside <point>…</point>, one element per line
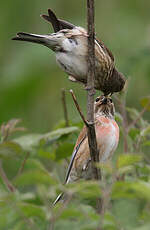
<point>80,140</point>
<point>51,17</point>
<point>57,24</point>
<point>66,25</point>
<point>105,49</point>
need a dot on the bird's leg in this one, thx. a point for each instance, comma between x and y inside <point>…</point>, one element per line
<point>85,166</point>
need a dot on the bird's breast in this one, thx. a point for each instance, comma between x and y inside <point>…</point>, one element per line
<point>107,133</point>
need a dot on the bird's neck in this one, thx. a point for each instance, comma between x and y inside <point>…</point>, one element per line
<point>102,113</point>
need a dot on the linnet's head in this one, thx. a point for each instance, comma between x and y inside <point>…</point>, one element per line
<point>104,106</point>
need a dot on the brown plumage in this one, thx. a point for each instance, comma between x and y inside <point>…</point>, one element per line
<point>69,43</point>
<point>107,135</point>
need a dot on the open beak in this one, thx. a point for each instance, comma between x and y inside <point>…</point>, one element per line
<point>104,101</point>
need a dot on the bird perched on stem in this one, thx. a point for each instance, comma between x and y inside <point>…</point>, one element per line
<point>70,44</point>
<point>107,135</point>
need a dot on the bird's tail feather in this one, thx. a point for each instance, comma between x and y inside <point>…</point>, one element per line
<point>59,197</point>
<point>35,38</point>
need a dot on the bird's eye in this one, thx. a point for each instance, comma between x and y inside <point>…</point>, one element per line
<point>97,99</point>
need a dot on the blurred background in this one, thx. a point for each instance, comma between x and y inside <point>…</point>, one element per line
<point>30,79</point>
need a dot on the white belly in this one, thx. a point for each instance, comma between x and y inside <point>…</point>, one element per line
<point>72,64</point>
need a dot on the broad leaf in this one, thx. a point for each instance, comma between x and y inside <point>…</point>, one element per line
<point>10,149</point>
<point>127,160</point>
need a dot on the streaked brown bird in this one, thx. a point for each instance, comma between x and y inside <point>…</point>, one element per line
<point>70,44</point>
<point>107,135</point>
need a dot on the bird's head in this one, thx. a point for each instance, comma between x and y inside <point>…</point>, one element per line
<point>104,106</point>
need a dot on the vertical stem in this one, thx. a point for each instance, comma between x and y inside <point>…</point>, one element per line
<point>63,97</point>
<point>7,183</point>
<point>90,89</point>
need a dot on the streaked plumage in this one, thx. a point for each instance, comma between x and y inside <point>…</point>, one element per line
<point>69,43</point>
<point>107,134</point>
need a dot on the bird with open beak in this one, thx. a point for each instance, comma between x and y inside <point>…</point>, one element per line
<point>107,136</point>
<point>70,45</point>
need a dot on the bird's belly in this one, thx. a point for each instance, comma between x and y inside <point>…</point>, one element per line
<point>73,65</point>
<point>107,140</point>
<point>108,148</point>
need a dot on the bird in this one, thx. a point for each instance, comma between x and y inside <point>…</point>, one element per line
<point>107,136</point>
<point>70,44</point>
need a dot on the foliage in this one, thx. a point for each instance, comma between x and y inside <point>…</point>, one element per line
<point>34,164</point>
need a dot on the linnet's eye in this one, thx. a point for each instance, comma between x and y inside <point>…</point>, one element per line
<point>97,99</point>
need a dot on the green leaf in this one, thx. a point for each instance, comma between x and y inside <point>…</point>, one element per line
<point>34,164</point>
<point>34,177</point>
<point>64,151</point>
<point>139,189</point>
<point>30,210</point>
<point>30,141</point>
<point>145,131</point>
<point>146,143</point>
<point>133,133</point>
<point>85,189</point>
<point>127,160</point>
<point>58,133</point>
<point>10,149</point>
<point>145,102</point>
<point>71,213</point>
<point>122,189</point>
<point>142,189</point>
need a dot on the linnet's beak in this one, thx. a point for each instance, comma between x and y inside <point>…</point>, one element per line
<point>104,101</point>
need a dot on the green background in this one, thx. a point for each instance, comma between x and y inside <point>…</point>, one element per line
<point>30,88</point>
<point>31,81</point>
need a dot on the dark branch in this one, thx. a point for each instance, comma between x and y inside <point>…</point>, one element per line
<point>90,90</point>
<point>78,108</point>
<point>63,98</point>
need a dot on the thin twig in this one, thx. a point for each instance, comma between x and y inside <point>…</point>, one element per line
<point>78,108</point>
<point>63,98</point>
<point>23,164</point>
<point>5,179</point>
<point>122,108</point>
<point>139,117</point>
